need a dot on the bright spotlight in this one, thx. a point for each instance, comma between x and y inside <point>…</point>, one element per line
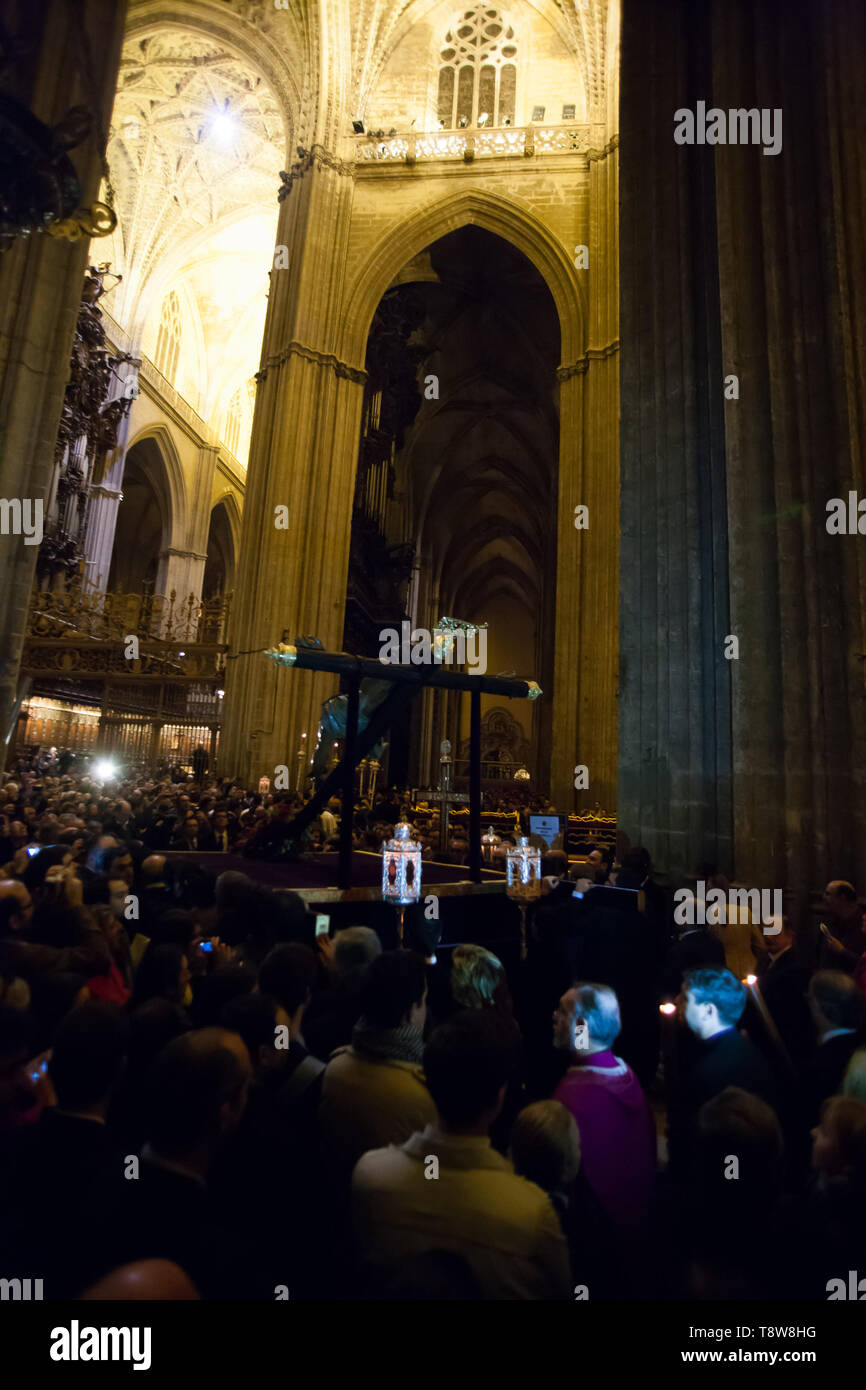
<point>105,770</point>
<point>223,127</point>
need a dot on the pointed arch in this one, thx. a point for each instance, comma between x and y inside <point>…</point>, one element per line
<point>229,502</point>
<point>168,482</point>
<point>478,208</point>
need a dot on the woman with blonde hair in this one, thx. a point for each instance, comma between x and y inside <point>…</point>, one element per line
<point>476,975</point>
<point>854,1083</point>
<point>545,1145</point>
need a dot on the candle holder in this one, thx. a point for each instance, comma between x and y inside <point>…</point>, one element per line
<point>401,872</point>
<point>523,880</point>
<point>489,845</point>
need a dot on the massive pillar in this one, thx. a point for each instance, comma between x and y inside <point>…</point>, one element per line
<point>674,682</point>
<point>303,455</point>
<point>69,55</point>
<point>791,231</point>
<point>584,693</point>
<point>743,291</point>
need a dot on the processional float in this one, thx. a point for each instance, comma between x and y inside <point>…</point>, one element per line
<point>361,736</point>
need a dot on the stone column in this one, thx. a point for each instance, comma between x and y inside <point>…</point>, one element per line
<point>585,658</point>
<point>105,496</point>
<point>41,279</point>
<point>791,230</point>
<point>674,683</point>
<point>737,263</point>
<point>101,522</point>
<point>180,573</point>
<point>303,455</point>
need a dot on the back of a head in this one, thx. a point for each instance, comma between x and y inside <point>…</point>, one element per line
<point>714,985</point>
<point>52,996</point>
<point>191,1081</point>
<point>152,1026</point>
<point>837,997</point>
<point>289,973</point>
<point>467,1061</point>
<point>475,975</point>
<point>638,862</point>
<point>555,864</point>
<point>232,889</point>
<point>254,1018</point>
<point>152,870</point>
<point>355,948</point>
<point>89,1052</point>
<point>737,1124</point>
<point>844,890</point>
<point>598,1007</point>
<point>215,990</point>
<point>158,973</point>
<point>854,1084</point>
<point>845,1118</point>
<point>199,891</point>
<point>293,921</point>
<point>49,857</point>
<point>144,1281</point>
<point>393,983</point>
<point>176,927</point>
<point>545,1145</point>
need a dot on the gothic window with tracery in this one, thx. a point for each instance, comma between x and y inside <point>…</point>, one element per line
<point>168,340</point>
<point>478,75</point>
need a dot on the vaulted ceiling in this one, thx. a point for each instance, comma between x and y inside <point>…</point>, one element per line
<point>481,460</point>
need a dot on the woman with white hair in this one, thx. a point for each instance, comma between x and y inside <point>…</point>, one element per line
<point>617,1131</point>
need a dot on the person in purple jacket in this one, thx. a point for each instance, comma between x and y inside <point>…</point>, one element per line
<point>617,1131</point>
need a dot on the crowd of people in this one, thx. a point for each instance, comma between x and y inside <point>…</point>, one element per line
<point>200,1098</point>
<point>181,809</point>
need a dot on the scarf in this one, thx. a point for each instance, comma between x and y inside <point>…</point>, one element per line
<point>402,1044</point>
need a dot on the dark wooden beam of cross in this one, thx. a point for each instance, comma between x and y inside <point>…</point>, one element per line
<point>407,681</point>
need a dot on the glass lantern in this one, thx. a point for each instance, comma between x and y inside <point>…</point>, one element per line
<point>523,869</point>
<point>489,845</point>
<point>401,867</point>
<point>523,880</point>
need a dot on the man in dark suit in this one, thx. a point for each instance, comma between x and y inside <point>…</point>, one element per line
<point>713,1002</point>
<point>190,835</point>
<point>223,831</point>
<point>199,764</point>
<point>66,1171</point>
<point>783,983</point>
<point>694,949</point>
<point>198,1095</point>
<point>836,1006</point>
<point>160,831</point>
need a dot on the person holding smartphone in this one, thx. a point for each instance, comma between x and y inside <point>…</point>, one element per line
<point>841,936</point>
<point>23,953</point>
